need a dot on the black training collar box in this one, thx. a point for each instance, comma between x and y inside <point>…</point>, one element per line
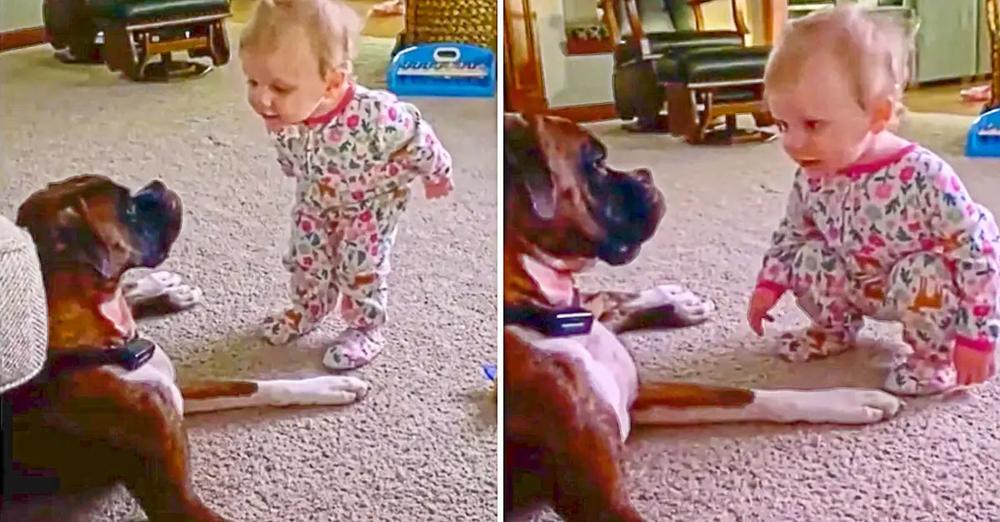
<point>553,323</point>
<point>131,357</point>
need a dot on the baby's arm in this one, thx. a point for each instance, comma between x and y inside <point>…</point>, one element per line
<point>794,229</point>
<point>411,141</point>
<point>965,231</point>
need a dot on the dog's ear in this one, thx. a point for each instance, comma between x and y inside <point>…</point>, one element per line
<point>562,144</point>
<point>524,166</point>
<point>63,235</point>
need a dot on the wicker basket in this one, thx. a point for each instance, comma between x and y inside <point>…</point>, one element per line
<point>459,21</point>
<point>23,314</point>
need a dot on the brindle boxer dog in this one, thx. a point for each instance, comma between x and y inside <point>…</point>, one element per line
<point>571,389</point>
<point>87,422</point>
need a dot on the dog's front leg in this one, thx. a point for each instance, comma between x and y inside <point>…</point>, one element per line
<point>140,437</point>
<point>663,307</point>
<point>680,403</point>
<point>160,293</point>
<point>327,390</point>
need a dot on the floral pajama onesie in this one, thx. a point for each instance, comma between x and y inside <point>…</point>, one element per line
<point>353,169</point>
<point>898,240</point>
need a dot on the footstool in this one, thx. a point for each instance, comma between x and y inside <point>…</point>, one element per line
<point>716,82</point>
<point>23,315</point>
<point>23,325</point>
<point>127,34</point>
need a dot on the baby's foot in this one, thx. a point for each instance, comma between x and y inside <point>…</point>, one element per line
<point>921,374</point>
<point>812,343</point>
<point>283,327</point>
<point>353,348</point>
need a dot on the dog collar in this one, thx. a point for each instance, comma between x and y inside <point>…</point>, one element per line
<point>553,323</point>
<point>131,356</point>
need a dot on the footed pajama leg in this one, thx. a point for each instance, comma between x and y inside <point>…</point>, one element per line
<point>361,278</point>
<point>313,294</point>
<point>820,285</point>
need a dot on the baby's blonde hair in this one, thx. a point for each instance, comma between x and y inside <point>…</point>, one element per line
<point>871,49</point>
<point>331,27</point>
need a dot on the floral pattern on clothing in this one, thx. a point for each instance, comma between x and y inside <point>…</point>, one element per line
<point>874,218</point>
<point>373,144</point>
<point>339,255</point>
<point>917,291</point>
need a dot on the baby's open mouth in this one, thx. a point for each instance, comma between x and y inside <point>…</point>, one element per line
<point>808,163</point>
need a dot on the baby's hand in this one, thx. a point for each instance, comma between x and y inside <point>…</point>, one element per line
<point>761,302</point>
<point>439,189</point>
<point>973,364</point>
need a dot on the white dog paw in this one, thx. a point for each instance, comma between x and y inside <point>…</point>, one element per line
<point>688,306</point>
<point>332,390</point>
<point>160,285</point>
<point>184,296</point>
<point>838,406</point>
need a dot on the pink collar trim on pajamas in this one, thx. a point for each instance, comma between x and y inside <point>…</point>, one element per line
<point>859,169</point>
<point>323,119</point>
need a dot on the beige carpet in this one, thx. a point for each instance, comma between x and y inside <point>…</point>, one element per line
<point>937,462</point>
<point>422,445</point>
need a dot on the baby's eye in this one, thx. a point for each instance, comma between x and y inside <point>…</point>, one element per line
<point>251,83</point>
<point>281,89</point>
<point>782,126</point>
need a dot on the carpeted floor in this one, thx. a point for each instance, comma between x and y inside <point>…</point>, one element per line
<point>422,445</point>
<point>936,462</point>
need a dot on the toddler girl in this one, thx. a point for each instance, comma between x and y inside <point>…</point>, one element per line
<point>875,226</point>
<point>353,153</point>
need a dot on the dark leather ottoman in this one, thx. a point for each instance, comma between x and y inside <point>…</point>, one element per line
<point>638,83</point>
<point>718,82</point>
<point>134,31</point>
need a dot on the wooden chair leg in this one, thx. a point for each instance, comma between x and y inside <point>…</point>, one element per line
<point>763,119</point>
<point>681,109</point>
<point>120,55</point>
<point>705,116</point>
<point>218,43</point>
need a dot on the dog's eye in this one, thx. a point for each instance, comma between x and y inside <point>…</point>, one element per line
<point>130,212</point>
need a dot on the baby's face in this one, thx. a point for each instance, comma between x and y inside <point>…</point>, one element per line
<point>284,84</point>
<point>823,127</point>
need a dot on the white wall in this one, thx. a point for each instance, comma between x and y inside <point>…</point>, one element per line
<point>569,80</point>
<point>20,14</point>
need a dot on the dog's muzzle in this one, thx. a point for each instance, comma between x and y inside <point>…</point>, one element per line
<point>629,211</point>
<point>156,221</point>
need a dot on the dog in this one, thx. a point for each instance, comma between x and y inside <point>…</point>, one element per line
<point>87,420</point>
<point>572,392</point>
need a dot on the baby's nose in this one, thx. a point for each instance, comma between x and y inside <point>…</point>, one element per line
<point>265,101</point>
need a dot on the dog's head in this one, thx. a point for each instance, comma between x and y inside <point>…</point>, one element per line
<point>561,196</point>
<point>91,225</point>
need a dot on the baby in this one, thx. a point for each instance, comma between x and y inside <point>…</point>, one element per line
<point>875,226</point>
<point>353,153</point>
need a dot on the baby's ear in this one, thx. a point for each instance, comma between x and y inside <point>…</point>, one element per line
<point>335,78</point>
<point>882,114</point>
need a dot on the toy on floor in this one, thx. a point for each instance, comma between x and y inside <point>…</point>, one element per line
<point>490,372</point>
<point>443,69</point>
<point>979,93</point>
<point>388,8</point>
<point>983,139</point>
